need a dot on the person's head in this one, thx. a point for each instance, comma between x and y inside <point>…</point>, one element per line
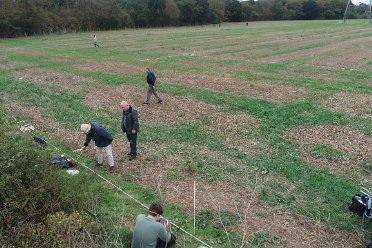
<point>156,210</point>
<point>85,128</point>
<point>148,69</point>
<point>124,105</point>
<point>94,35</point>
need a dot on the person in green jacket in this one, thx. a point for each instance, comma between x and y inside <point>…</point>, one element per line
<point>152,231</point>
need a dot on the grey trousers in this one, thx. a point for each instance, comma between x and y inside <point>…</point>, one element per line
<point>108,150</point>
<point>152,90</point>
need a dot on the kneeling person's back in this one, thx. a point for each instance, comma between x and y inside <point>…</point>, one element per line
<point>147,231</point>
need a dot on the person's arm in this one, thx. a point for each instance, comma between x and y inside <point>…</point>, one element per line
<point>164,233</point>
<point>134,122</point>
<point>122,123</point>
<point>86,143</point>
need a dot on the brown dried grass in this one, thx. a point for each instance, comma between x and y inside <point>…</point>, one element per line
<point>354,104</point>
<point>173,110</point>
<point>24,51</point>
<point>262,90</point>
<point>112,68</point>
<point>44,123</point>
<point>346,60</point>
<point>233,128</point>
<point>12,65</point>
<point>312,51</point>
<point>357,147</point>
<point>71,83</point>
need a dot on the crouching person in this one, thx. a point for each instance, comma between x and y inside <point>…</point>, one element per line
<point>103,139</point>
<point>152,231</point>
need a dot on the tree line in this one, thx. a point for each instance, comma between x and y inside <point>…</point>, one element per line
<point>27,17</point>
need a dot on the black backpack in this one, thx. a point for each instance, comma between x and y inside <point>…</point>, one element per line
<point>59,161</point>
<point>359,204</point>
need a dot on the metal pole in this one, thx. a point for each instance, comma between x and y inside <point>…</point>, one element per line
<point>347,6</point>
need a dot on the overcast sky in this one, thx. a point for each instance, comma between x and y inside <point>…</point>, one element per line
<point>357,2</point>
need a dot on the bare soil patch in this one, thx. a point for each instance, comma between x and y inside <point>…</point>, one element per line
<point>173,110</point>
<point>24,51</point>
<point>12,65</point>
<point>112,68</point>
<point>44,123</point>
<point>299,231</point>
<point>354,104</point>
<point>212,66</point>
<point>233,127</point>
<point>66,81</point>
<point>262,90</point>
<point>297,74</point>
<point>312,51</point>
<point>353,59</point>
<point>356,147</point>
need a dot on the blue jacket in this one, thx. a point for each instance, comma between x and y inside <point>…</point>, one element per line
<point>99,134</point>
<point>151,78</point>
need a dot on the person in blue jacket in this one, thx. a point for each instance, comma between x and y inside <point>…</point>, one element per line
<point>103,139</point>
<point>151,81</point>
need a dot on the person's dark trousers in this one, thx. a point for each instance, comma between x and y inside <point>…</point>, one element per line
<point>132,138</point>
<point>162,244</point>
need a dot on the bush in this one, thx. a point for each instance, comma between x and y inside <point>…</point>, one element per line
<point>37,204</point>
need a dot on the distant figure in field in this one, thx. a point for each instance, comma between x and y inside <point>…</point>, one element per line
<point>129,125</point>
<point>152,231</point>
<point>95,41</point>
<point>151,81</point>
<point>103,139</point>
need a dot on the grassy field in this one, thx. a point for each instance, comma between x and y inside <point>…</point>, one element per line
<point>272,121</point>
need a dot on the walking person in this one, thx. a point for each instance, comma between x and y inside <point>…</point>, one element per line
<point>129,125</point>
<point>151,81</point>
<point>95,41</point>
<point>103,139</point>
<point>152,231</point>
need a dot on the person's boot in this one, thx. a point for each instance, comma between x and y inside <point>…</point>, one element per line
<point>112,169</point>
<point>132,157</point>
<point>159,101</point>
<point>99,165</point>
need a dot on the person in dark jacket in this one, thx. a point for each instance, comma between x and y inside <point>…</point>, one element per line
<point>129,125</point>
<point>151,81</point>
<point>103,139</point>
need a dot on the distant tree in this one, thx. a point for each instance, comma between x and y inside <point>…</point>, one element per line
<point>310,9</point>
<point>188,11</point>
<point>331,9</point>
<point>233,11</point>
<point>217,10</point>
<point>295,10</point>
<point>202,11</point>
<point>139,12</point>
<point>172,12</point>
<point>157,15</point>
<point>263,11</point>
<point>358,11</point>
<point>10,15</point>
<point>279,10</point>
<point>249,11</point>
